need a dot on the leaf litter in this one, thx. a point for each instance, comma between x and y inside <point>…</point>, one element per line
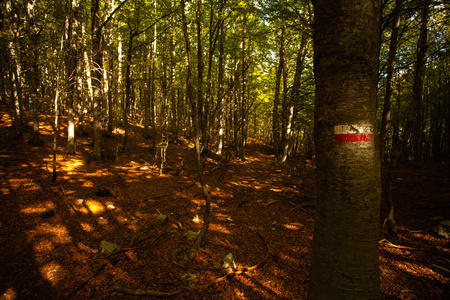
<point>262,213</point>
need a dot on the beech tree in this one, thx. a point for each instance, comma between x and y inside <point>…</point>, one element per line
<point>345,248</point>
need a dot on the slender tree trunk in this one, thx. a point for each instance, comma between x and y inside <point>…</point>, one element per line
<point>276,101</point>
<point>243,113</point>
<point>201,104</point>
<point>153,87</point>
<point>147,76</point>
<point>126,106</point>
<point>386,115</point>
<point>56,123</point>
<point>15,90</point>
<point>173,100</point>
<point>34,85</point>
<point>418,87</point>
<point>71,66</point>
<point>385,119</point>
<point>96,81</point>
<point>295,96</point>
<point>110,94</point>
<point>400,143</point>
<point>196,121</point>
<point>55,133</point>
<point>220,90</point>
<point>345,262</point>
<point>285,112</point>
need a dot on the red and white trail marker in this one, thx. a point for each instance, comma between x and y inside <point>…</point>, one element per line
<point>353,133</point>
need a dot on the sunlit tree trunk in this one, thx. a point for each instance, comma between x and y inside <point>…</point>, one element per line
<point>276,101</point>
<point>220,91</point>
<point>345,261</point>
<point>71,67</point>
<point>96,81</point>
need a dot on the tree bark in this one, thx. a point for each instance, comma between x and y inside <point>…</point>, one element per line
<point>345,262</point>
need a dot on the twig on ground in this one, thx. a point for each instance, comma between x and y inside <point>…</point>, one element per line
<point>163,196</point>
<point>441,268</point>
<point>296,206</point>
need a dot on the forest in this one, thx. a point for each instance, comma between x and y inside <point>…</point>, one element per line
<point>224,149</point>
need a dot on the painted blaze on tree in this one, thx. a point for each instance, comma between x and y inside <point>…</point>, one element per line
<point>345,262</point>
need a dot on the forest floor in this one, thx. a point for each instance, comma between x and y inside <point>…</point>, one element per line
<point>262,213</point>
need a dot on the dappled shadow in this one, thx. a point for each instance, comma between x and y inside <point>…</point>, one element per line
<point>119,201</point>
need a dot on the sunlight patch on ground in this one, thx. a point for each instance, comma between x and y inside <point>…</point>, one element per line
<point>239,294</point>
<point>87,227</point>
<point>290,259</point>
<point>60,233</point>
<point>102,221</point>
<point>88,184</point>
<point>72,164</point>
<point>143,145</point>
<point>9,294</point>
<point>95,207</point>
<point>219,228</point>
<point>24,184</point>
<point>43,246</point>
<point>293,226</point>
<point>121,220</point>
<point>41,207</point>
<point>84,210</point>
<point>50,272</point>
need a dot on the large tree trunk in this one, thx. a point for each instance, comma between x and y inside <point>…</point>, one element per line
<point>345,261</point>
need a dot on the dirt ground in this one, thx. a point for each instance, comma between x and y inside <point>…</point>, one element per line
<point>262,213</point>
